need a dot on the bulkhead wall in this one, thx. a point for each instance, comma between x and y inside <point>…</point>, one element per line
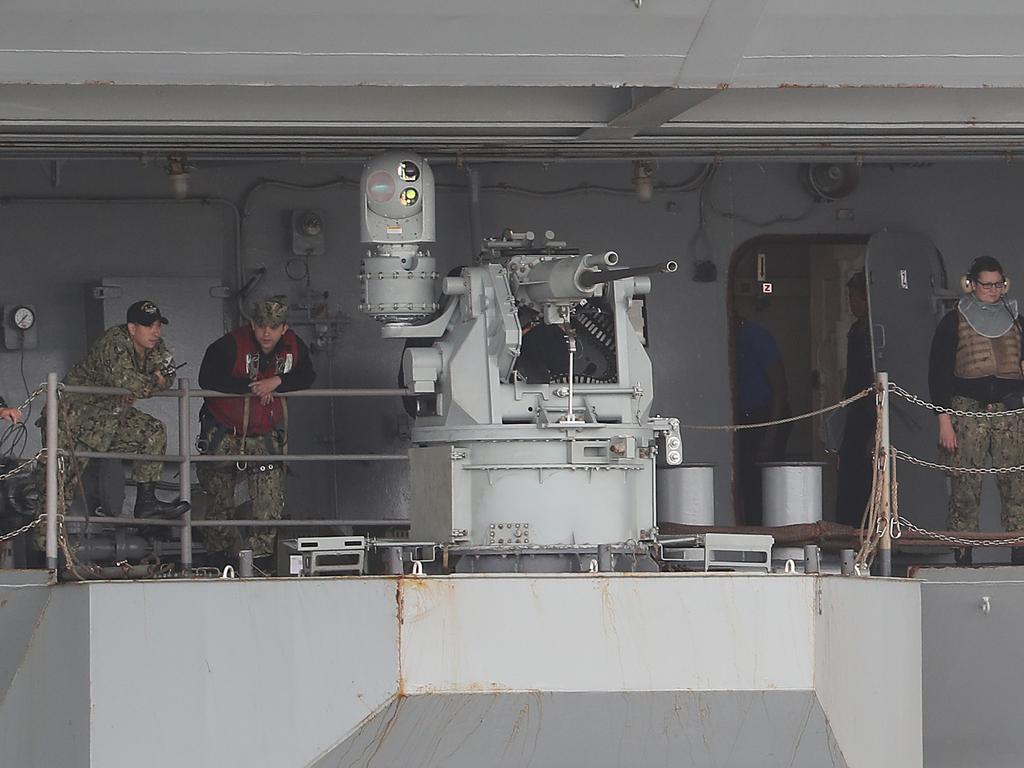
<point>56,246</point>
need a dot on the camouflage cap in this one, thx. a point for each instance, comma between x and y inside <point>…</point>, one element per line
<point>270,312</point>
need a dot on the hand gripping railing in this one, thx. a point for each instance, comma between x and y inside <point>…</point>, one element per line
<point>184,458</point>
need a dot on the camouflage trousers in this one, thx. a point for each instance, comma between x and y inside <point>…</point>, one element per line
<point>125,430</point>
<point>978,439</point>
<point>129,431</point>
<point>265,480</point>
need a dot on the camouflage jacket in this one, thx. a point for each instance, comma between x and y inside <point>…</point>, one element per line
<point>112,362</point>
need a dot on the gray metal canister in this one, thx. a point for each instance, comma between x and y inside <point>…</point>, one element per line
<point>686,494</point>
<point>791,492</point>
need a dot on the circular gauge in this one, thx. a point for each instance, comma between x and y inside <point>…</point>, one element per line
<point>24,318</point>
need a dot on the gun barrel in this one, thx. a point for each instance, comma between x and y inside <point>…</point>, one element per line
<point>590,279</point>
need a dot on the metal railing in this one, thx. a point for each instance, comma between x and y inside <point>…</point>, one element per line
<point>184,458</point>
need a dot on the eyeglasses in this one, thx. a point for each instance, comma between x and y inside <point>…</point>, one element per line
<point>990,286</point>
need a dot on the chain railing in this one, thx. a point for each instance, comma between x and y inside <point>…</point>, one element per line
<point>904,456</point>
<point>880,523</point>
<point>951,537</point>
<point>910,397</point>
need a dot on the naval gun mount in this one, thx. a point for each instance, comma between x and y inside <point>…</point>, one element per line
<point>512,471</point>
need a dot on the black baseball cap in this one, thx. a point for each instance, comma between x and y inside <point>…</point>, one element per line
<point>145,313</point>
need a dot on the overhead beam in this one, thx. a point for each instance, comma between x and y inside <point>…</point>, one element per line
<point>708,68</point>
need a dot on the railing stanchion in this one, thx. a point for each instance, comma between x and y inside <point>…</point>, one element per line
<point>185,473</point>
<point>51,471</point>
<point>885,545</point>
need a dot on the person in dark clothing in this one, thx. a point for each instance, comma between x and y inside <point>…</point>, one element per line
<point>762,395</point>
<point>975,366</point>
<point>855,452</point>
<point>258,360</point>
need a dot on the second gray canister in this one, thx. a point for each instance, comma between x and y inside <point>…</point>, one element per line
<point>791,492</point>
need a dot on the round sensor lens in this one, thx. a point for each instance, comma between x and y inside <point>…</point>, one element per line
<point>380,187</point>
<point>408,171</point>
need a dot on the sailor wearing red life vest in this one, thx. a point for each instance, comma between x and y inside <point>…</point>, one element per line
<point>260,360</point>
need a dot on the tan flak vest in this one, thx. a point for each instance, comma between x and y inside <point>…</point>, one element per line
<point>978,356</point>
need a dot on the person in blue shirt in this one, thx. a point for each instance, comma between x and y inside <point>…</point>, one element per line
<point>761,395</point>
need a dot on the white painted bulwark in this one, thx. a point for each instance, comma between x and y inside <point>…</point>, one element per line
<point>867,665</point>
<point>451,671</point>
<point>614,633</point>
<point>236,673</point>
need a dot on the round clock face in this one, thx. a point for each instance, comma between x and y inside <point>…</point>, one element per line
<point>24,318</point>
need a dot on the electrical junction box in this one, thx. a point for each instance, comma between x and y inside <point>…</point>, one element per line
<point>20,326</point>
<point>308,238</point>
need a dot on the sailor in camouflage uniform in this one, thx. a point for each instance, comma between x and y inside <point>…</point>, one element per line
<point>259,359</point>
<point>133,357</point>
<point>975,365</point>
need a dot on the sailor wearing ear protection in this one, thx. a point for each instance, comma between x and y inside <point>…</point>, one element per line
<point>975,365</point>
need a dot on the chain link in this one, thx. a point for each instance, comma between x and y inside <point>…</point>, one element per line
<point>736,427</point>
<point>28,400</point>
<point>957,470</point>
<point>24,529</point>
<point>28,464</point>
<point>957,540</point>
<point>6,476</point>
<point>898,390</point>
<point>21,467</point>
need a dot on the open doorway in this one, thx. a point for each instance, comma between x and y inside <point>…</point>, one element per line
<point>789,322</point>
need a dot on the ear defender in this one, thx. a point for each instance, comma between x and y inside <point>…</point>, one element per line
<point>967,285</point>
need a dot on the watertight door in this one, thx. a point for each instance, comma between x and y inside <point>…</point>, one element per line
<point>905,277</point>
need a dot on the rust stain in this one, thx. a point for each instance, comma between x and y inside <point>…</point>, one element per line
<point>723,86</point>
<point>607,601</point>
<point>382,734</point>
<point>400,605</point>
<point>3,602</point>
<point>856,86</point>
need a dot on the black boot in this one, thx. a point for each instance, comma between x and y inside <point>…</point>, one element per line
<point>148,505</point>
<point>1017,556</point>
<point>964,557</point>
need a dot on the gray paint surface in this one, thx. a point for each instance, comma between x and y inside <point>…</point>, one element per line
<point>23,598</point>
<point>52,686</point>
<point>698,729</point>
<point>459,42</point>
<point>972,675</point>
<point>609,667</point>
<point>268,673</point>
